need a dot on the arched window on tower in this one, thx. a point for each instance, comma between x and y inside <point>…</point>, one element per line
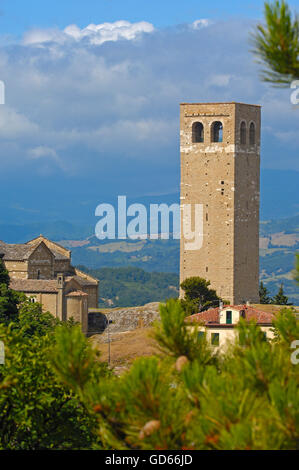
<point>217,131</point>
<point>197,132</point>
<point>252,134</point>
<point>243,133</point>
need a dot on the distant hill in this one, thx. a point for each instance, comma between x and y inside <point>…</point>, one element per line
<point>279,241</point>
<point>123,287</point>
<point>74,200</point>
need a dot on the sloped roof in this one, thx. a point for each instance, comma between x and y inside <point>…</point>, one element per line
<point>211,316</point>
<point>16,252</point>
<point>34,285</point>
<point>86,277</point>
<point>77,293</point>
<point>82,281</point>
<point>22,251</point>
<point>50,244</point>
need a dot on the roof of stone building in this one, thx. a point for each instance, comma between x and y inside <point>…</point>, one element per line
<point>211,316</point>
<point>16,252</point>
<point>59,256</point>
<point>23,251</point>
<point>49,243</point>
<point>34,285</point>
<point>77,293</point>
<point>81,280</point>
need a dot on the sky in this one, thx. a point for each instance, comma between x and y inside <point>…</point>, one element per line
<point>92,93</point>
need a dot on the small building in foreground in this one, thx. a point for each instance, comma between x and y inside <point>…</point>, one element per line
<point>42,269</point>
<point>220,323</point>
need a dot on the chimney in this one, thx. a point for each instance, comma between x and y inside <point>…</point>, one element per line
<point>220,304</point>
<point>60,297</point>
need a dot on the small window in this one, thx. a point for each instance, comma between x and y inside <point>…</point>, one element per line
<point>252,134</point>
<point>243,133</point>
<point>217,132</point>
<point>200,335</point>
<point>215,339</point>
<point>264,336</point>
<point>228,317</point>
<point>197,132</point>
<point>242,314</point>
<point>38,274</point>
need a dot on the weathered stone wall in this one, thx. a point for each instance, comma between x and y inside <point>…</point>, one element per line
<point>123,319</point>
<point>48,301</point>
<point>41,263</point>
<point>223,177</point>
<point>92,292</point>
<point>62,266</point>
<point>17,269</point>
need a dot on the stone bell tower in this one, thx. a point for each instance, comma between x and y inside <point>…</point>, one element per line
<point>220,172</point>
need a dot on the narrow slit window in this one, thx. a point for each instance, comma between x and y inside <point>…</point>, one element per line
<point>197,132</point>
<point>243,133</point>
<point>217,132</point>
<point>252,134</point>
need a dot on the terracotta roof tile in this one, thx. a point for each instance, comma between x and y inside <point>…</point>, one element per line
<point>211,316</point>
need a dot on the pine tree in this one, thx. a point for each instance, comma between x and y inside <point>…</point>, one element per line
<point>276,44</point>
<point>191,398</point>
<point>280,298</point>
<point>264,294</point>
<point>198,295</point>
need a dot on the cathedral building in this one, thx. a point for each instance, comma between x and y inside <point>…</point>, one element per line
<point>42,270</point>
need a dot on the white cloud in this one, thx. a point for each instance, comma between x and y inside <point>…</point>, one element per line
<point>95,34</point>
<point>14,125</point>
<point>75,107</point>
<point>220,80</point>
<point>198,24</point>
<point>42,152</point>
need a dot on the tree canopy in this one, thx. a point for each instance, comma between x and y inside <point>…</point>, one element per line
<point>276,44</point>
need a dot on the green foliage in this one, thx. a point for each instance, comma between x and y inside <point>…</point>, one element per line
<point>130,286</point>
<point>277,44</point>
<point>280,298</point>
<point>75,360</point>
<point>264,294</point>
<point>286,327</point>
<point>198,295</point>
<point>245,399</point>
<point>36,410</point>
<point>176,338</point>
<point>9,302</point>
<point>4,276</point>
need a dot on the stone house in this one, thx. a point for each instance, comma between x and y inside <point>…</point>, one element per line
<point>220,323</point>
<point>42,269</point>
